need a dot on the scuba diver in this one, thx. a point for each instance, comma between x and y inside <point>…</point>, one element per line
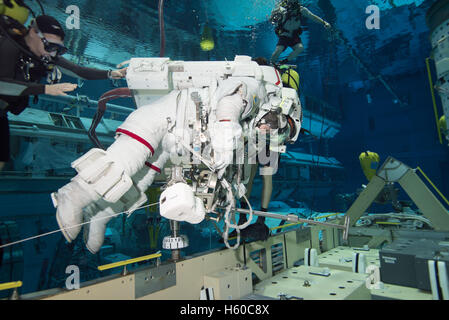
<point>287,18</point>
<point>26,56</point>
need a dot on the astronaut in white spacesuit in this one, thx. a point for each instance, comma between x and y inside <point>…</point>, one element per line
<point>233,96</point>
<point>287,18</point>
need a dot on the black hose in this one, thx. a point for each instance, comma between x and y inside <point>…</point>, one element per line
<point>32,12</point>
<point>105,98</point>
<point>40,5</point>
<point>162,27</point>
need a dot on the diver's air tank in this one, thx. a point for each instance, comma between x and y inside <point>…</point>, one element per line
<point>14,10</point>
<point>290,78</point>
<point>207,39</point>
<point>437,19</point>
<point>369,161</point>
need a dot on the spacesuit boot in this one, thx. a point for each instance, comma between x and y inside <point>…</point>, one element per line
<point>69,213</point>
<point>101,175</point>
<point>94,232</point>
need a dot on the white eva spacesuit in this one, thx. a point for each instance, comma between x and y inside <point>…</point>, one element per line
<point>183,108</point>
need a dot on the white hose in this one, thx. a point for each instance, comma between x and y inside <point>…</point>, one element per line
<point>243,226</point>
<point>230,198</point>
<point>71,227</point>
<point>228,223</point>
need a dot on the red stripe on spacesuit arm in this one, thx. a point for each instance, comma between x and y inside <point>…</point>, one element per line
<point>151,166</point>
<point>136,137</point>
<point>279,79</point>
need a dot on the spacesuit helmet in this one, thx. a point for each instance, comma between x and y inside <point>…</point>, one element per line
<point>273,127</point>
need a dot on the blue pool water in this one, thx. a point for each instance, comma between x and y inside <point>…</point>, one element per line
<point>369,86</point>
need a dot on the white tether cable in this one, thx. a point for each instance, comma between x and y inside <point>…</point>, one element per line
<point>81,224</point>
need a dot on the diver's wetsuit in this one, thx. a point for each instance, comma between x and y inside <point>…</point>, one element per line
<point>19,80</point>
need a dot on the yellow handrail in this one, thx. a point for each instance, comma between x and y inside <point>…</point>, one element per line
<point>432,92</point>
<point>285,226</point>
<point>10,285</point>
<point>329,215</point>
<point>386,222</point>
<point>129,261</point>
<point>427,178</point>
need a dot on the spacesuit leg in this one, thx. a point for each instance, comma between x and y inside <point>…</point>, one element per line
<point>107,174</point>
<point>277,52</point>
<point>102,212</point>
<point>101,175</point>
<point>297,50</point>
<point>73,217</point>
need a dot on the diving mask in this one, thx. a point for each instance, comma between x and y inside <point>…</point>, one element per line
<point>56,49</point>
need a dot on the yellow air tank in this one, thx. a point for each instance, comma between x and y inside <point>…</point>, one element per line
<point>17,12</point>
<point>442,124</point>
<point>369,161</point>
<point>290,78</point>
<point>207,39</point>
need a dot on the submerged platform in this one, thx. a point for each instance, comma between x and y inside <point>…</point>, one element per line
<point>272,269</point>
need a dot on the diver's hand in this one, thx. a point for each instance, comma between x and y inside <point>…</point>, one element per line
<point>119,74</point>
<point>59,89</point>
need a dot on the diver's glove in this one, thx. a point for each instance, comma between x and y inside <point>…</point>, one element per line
<point>117,74</point>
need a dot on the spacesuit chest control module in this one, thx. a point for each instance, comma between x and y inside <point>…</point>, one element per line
<point>201,120</point>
